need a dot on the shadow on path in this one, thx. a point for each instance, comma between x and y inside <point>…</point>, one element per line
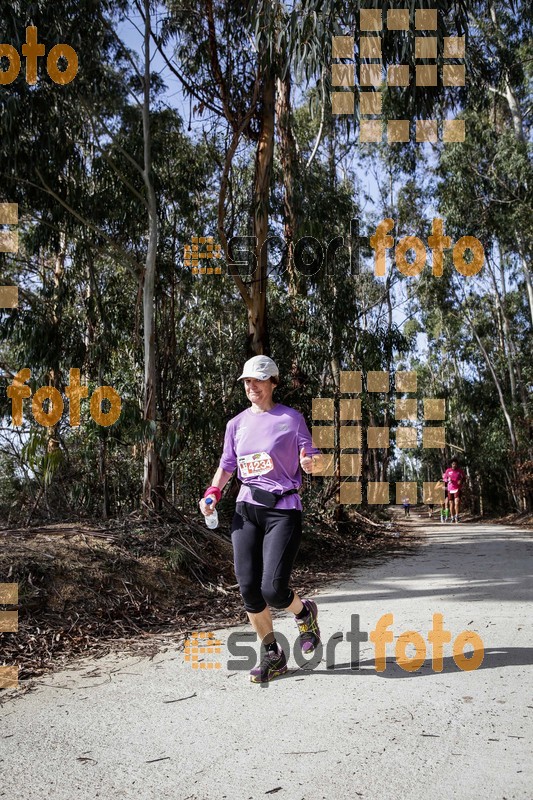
<point>494,658</point>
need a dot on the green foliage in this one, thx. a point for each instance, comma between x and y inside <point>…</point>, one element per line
<point>72,158</point>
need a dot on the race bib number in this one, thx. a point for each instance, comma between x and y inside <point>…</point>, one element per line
<point>255,464</point>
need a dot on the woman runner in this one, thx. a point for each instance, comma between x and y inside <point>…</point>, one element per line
<point>269,443</point>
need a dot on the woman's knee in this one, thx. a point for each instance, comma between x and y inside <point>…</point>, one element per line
<point>277,593</point>
<point>254,602</point>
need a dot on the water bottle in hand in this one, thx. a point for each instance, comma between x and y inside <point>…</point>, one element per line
<point>212,520</point>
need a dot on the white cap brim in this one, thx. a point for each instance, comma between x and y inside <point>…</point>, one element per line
<point>259,376</point>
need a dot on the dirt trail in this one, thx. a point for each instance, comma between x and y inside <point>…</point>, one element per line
<point>123,727</point>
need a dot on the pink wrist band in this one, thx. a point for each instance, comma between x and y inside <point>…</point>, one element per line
<point>213,490</point>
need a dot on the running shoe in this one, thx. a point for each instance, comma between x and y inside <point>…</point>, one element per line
<point>309,630</point>
<point>272,666</point>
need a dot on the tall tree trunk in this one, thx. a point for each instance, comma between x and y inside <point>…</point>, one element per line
<point>518,127</point>
<point>527,275</point>
<point>288,151</point>
<point>497,385</point>
<point>102,460</point>
<point>95,311</point>
<point>289,165</point>
<point>336,375</point>
<point>54,375</point>
<point>387,419</point>
<point>151,460</point>
<point>518,389</point>
<point>506,344</point>
<point>257,311</point>
<point>509,92</point>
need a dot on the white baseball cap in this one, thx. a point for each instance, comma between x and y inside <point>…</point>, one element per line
<point>260,367</point>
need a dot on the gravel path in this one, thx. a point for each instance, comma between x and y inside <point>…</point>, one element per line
<point>125,727</point>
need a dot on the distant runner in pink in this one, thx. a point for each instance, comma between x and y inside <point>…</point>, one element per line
<point>453,479</point>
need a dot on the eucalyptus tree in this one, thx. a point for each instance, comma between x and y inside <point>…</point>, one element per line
<point>44,152</point>
<point>240,63</point>
<point>486,183</point>
<point>79,160</point>
<point>502,34</point>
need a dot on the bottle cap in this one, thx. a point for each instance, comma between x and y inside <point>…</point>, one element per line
<point>208,501</point>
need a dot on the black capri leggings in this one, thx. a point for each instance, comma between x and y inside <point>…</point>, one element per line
<point>265,543</point>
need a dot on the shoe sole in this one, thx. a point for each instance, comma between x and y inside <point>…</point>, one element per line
<point>275,674</point>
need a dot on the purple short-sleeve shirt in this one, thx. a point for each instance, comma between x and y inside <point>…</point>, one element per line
<point>266,449</point>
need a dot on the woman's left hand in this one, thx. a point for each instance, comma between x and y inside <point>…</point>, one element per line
<point>310,464</point>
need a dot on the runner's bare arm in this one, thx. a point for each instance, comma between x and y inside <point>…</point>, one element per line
<point>221,478</point>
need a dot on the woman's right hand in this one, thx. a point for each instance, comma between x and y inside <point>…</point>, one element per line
<point>207,509</point>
